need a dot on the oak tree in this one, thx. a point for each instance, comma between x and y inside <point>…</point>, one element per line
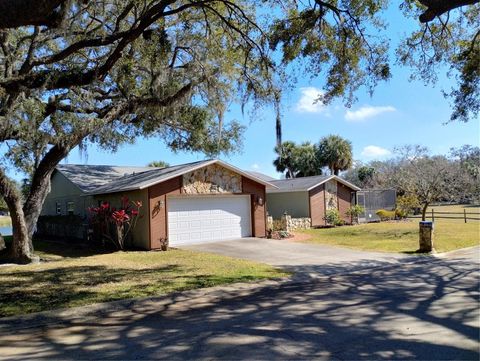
<point>114,71</point>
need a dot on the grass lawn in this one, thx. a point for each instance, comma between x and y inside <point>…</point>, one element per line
<point>450,234</point>
<point>76,277</point>
<point>5,221</point>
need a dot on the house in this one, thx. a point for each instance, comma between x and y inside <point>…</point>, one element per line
<point>311,197</point>
<point>189,203</point>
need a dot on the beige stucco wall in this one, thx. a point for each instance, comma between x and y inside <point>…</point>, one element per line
<point>140,234</point>
<point>64,191</point>
<point>295,203</point>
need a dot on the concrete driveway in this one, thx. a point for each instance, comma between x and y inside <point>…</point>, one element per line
<point>300,257</point>
<point>424,308</point>
<point>345,305</point>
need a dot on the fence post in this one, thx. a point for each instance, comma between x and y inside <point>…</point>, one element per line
<point>433,215</point>
<point>465,214</point>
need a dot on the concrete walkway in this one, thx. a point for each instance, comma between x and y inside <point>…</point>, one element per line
<point>424,308</point>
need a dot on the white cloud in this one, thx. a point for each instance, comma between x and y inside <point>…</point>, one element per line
<point>255,166</point>
<point>367,111</point>
<point>373,151</point>
<point>308,101</point>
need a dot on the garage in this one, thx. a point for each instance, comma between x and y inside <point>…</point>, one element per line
<point>203,219</point>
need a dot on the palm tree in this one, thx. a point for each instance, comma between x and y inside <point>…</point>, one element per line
<point>158,164</point>
<point>335,153</point>
<point>278,119</point>
<point>305,160</point>
<point>286,159</point>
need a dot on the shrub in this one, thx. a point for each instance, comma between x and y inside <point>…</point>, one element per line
<point>385,215</point>
<point>277,225</point>
<point>406,205</point>
<point>113,224</point>
<point>354,211</point>
<point>400,214</point>
<point>333,217</point>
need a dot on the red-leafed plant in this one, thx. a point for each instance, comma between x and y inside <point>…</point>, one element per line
<point>113,224</point>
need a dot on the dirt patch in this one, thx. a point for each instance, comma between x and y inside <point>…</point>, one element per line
<point>281,235</point>
<point>298,237</point>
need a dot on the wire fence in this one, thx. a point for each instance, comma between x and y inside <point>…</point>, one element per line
<point>433,214</point>
<point>373,200</point>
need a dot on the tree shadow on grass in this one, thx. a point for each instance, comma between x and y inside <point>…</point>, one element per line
<point>421,309</point>
<point>39,290</point>
<point>47,248</point>
<point>51,250</point>
<point>30,291</point>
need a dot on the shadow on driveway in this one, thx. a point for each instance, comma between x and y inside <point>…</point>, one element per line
<point>424,308</point>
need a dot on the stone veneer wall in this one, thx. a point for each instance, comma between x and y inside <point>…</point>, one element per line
<point>291,224</point>
<point>212,179</point>
<point>331,200</point>
<point>269,222</point>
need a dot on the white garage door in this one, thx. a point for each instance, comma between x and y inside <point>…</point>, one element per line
<point>206,219</point>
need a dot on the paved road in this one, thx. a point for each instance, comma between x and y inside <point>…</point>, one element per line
<point>412,308</point>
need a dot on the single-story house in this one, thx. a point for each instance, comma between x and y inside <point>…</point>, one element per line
<point>189,203</point>
<point>311,197</point>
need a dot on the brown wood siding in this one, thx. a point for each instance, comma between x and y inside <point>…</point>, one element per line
<point>344,201</point>
<point>259,216</point>
<point>317,205</point>
<point>158,215</point>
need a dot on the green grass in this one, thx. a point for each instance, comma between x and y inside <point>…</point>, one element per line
<point>5,221</point>
<point>77,277</point>
<point>402,236</point>
<point>457,208</point>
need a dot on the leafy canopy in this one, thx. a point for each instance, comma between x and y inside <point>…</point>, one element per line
<point>335,153</point>
<point>297,160</point>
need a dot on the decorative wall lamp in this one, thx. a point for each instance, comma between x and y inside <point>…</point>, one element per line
<point>158,206</point>
<point>260,201</point>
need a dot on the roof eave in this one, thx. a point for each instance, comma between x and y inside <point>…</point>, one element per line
<point>246,174</point>
<point>337,178</point>
<point>321,182</point>
<point>202,165</point>
<point>292,190</point>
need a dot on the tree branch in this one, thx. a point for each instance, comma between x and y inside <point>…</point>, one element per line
<point>438,7</point>
<point>16,13</point>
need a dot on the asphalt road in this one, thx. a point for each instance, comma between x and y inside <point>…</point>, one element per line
<point>410,308</point>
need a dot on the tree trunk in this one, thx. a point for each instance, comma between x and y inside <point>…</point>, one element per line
<point>424,211</point>
<point>40,186</point>
<point>33,205</point>
<point>278,120</point>
<point>21,250</point>
<point>24,218</point>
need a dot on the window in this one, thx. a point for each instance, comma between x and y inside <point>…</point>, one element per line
<point>70,208</point>
<point>58,208</point>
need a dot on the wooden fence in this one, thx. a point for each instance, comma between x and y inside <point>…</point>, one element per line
<point>433,214</point>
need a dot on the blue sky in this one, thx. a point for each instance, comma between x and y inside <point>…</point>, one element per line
<point>399,112</point>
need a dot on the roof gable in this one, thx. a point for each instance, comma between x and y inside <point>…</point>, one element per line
<point>89,177</point>
<point>110,179</point>
<point>304,184</point>
<point>262,176</point>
